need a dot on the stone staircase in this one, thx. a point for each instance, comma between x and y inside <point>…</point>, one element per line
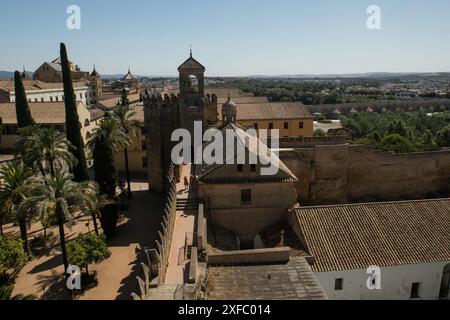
<point>187,204</point>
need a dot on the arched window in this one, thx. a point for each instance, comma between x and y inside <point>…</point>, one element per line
<point>86,123</point>
<point>192,84</point>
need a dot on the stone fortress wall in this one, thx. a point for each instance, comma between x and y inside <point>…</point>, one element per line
<point>431,105</point>
<point>346,173</point>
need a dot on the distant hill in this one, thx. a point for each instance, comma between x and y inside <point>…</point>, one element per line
<point>10,74</point>
<point>6,75</point>
<point>373,75</point>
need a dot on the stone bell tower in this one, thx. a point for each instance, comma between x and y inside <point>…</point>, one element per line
<point>192,92</point>
<point>96,82</point>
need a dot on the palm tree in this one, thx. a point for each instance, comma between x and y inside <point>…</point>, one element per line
<point>46,149</point>
<point>56,191</point>
<point>124,114</point>
<point>6,294</point>
<point>13,178</point>
<point>30,159</point>
<point>93,202</point>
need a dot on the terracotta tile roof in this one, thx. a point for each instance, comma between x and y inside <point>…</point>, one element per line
<point>191,63</point>
<point>272,110</point>
<point>292,280</point>
<point>112,102</point>
<point>212,174</point>
<point>345,237</point>
<point>243,100</point>
<point>96,113</point>
<point>30,85</point>
<point>139,113</point>
<point>42,112</point>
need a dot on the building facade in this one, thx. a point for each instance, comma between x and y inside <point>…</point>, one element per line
<point>48,115</point>
<point>408,242</point>
<point>42,92</point>
<point>52,72</point>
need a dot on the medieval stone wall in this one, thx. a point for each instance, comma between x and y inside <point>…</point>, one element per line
<point>431,105</point>
<point>355,173</point>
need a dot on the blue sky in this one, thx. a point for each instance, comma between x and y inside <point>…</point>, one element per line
<point>232,37</point>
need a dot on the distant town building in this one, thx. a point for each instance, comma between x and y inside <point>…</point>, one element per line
<point>409,241</point>
<point>96,82</point>
<point>47,114</point>
<point>52,72</point>
<point>38,91</point>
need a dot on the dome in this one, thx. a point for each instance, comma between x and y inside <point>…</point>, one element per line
<point>229,103</point>
<point>229,111</point>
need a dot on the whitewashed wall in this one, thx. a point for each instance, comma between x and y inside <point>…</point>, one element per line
<point>396,282</point>
<point>83,94</point>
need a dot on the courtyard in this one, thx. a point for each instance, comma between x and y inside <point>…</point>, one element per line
<point>116,276</point>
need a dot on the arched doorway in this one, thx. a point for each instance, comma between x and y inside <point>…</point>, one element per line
<point>445,283</point>
<point>192,84</point>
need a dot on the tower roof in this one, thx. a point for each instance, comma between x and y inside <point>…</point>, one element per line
<point>129,76</point>
<point>191,63</point>
<point>94,73</point>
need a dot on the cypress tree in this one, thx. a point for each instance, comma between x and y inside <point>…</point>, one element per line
<point>73,127</point>
<point>23,113</point>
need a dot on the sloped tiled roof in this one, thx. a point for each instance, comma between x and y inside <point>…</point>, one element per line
<point>292,280</point>
<point>129,76</point>
<point>42,112</point>
<point>191,63</point>
<point>272,110</point>
<point>210,174</point>
<point>30,85</point>
<point>346,237</point>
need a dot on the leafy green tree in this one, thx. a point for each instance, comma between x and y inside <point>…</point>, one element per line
<point>124,116</point>
<point>14,178</point>
<point>443,137</point>
<point>6,294</point>
<point>398,127</point>
<point>427,138</point>
<point>87,249</point>
<point>58,192</point>
<point>376,137</point>
<point>319,133</point>
<point>12,254</point>
<point>106,140</point>
<point>73,126</point>
<point>397,143</point>
<point>23,113</point>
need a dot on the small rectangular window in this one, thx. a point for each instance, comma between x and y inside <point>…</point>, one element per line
<point>255,125</point>
<point>270,125</point>
<point>286,125</point>
<point>339,284</point>
<point>144,162</point>
<point>240,168</point>
<point>301,125</point>
<point>246,197</point>
<point>415,290</point>
<point>253,168</point>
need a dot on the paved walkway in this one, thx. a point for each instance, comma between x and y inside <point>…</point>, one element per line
<point>117,275</point>
<point>184,224</point>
